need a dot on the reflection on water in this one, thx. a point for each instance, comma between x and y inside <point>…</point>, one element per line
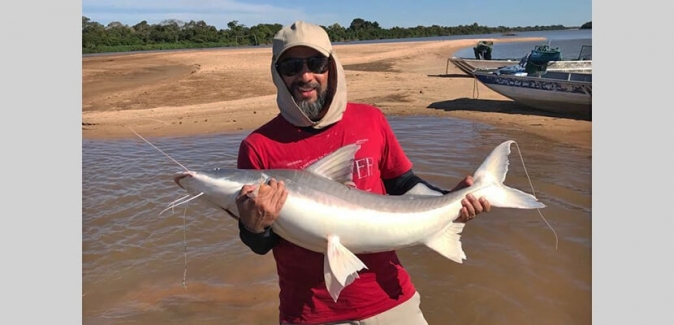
<point>133,258</point>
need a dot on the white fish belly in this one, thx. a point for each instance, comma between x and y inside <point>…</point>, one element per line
<point>307,222</point>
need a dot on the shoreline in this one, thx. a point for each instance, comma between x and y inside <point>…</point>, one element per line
<point>212,91</point>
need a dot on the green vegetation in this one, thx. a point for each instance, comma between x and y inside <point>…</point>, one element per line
<point>174,34</point>
<point>587,25</point>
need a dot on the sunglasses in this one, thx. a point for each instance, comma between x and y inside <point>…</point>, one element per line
<point>293,66</point>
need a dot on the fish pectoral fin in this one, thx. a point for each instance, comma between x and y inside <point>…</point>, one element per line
<point>331,283</point>
<point>342,261</point>
<point>340,267</point>
<point>448,242</point>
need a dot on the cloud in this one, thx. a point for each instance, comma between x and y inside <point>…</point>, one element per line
<point>215,13</point>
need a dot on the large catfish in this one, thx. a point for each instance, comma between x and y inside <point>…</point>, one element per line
<point>324,214</point>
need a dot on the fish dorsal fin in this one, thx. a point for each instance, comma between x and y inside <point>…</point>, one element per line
<point>338,165</point>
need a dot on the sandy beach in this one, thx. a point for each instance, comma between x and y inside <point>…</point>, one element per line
<point>208,91</point>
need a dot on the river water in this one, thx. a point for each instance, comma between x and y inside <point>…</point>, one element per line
<point>136,259</point>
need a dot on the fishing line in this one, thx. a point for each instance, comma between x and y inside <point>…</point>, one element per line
<point>185,246</point>
<point>180,201</point>
<point>533,192</point>
<point>165,154</point>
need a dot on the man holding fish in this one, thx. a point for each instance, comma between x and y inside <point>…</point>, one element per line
<point>315,120</point>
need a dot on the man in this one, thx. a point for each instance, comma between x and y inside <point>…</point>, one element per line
<point>315,120</point>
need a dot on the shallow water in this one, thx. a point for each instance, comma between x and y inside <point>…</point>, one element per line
<point>133,258</point>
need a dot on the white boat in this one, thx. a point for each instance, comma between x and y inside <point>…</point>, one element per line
<point>540,80</point>
<point>581,64</point>
<point>470,65</point>
<point>568,93</point>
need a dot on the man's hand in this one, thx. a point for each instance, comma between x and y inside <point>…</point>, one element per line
<point>471,206</point>
<point>259,205</point>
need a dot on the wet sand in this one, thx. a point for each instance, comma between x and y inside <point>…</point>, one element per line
<point>219,90</point>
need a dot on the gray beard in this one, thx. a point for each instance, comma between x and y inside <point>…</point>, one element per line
<point>313,110</point>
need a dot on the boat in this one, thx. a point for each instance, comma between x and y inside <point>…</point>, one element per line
<point>470,65</point>
<point>581,64</point>
<point>568,93</point>
<point>555,86</point>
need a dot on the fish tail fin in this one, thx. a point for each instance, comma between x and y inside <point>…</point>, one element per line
<point>492,173</point>
<point>508,197</point>
<point>448,242</point>
<point>493,170</point>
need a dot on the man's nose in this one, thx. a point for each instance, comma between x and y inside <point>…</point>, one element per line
<point>305,73</point>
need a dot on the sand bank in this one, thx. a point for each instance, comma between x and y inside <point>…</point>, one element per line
<point>218,90</point>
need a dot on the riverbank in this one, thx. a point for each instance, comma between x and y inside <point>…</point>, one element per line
<point>219,90</point>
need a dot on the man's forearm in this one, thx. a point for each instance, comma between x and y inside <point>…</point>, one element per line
<point>260,243</point>
<point>410,183</point>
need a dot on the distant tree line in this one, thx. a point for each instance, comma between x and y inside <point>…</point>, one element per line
<point>175,34</point>
<point>587,25</point>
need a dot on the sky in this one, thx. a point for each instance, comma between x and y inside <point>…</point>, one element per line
<point>387,13</point>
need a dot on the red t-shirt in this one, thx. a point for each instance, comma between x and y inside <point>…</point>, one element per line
<point>385,284</point>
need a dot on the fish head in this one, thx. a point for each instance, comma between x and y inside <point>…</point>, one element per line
<point>218,188</point>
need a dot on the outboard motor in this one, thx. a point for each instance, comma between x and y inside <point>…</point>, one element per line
<point>537,61</point>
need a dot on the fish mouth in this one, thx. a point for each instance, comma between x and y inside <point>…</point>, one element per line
<point>180,176</point>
